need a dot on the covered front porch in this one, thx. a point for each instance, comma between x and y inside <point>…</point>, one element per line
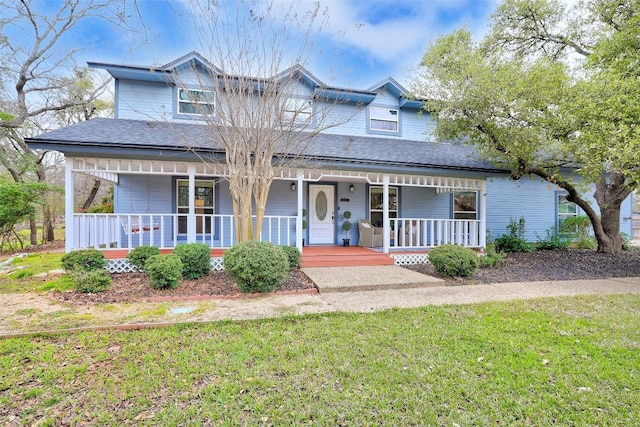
<point>164,203</point>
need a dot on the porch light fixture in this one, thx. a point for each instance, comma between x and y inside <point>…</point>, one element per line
<point>293,186</point>
<point>352,188</point>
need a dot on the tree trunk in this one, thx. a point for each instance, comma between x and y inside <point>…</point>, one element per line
<point>33,235</point>
<point>610,192</point>
<point>92,195</point>
<point>47,226</point>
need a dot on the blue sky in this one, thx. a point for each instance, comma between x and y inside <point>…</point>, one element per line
<point>363,41</point>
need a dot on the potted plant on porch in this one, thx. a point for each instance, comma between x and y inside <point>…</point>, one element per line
<point>346,226</point>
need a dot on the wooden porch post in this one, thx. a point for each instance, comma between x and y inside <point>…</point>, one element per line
<point>300,218</point>
<point>191,217</point>
<point>483,215</point>
<point>69,226</point>
<point>386,229</point>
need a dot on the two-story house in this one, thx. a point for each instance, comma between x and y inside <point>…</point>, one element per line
<point>405,194</point>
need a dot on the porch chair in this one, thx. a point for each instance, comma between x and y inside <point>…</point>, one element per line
<point>411,234</point>
<point>370,236</point>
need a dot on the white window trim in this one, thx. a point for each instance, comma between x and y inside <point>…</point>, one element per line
<point>298,108</point>
<point>564,214</point>
<point>185,183</point>
<point>188,101</point>
<point>453,201</point>
<point>386,120</point>
<point>381,210</point>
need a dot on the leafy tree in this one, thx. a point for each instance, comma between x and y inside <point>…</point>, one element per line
<point>548,91</point>
<point>18,202</point>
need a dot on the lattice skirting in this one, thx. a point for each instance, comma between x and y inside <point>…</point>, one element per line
<point>123,265</point>
<point>410,259</point>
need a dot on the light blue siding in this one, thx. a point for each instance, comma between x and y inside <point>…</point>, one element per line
<point>535,200</point>
<point>532,198</point>
<point>144,101</point>
<point>143,194</point>
<point>416,202</point>
<point>353,202</point>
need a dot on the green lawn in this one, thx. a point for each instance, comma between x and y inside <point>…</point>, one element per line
<point>570,361</point>
<point>23,279</point>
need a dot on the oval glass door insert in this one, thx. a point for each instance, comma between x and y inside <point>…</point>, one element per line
<point>321,205</point>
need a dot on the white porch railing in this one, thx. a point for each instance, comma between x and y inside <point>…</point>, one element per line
<point>127,231</point>
<point>429,233</point>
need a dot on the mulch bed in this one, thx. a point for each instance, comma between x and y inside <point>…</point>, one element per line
<point>550,265</point>
<point>517,267</point>
<point>128,287</point>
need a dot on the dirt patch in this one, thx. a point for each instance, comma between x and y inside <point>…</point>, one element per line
<point>127,287</point>
<point>550,265</point>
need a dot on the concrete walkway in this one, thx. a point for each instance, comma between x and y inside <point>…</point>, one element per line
<point>27,313</point>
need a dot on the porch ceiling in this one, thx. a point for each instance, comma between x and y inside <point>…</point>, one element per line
<point>111,168</point>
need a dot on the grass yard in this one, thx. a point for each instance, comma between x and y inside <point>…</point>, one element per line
<point>570,361</point>
<point>26,268</point>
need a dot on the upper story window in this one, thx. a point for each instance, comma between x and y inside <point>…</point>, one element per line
<point>195,101</point>
<point>298,110</point>
<point>465,205</point>
<point>383,119</point>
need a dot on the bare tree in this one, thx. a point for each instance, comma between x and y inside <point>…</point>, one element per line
<point>38,78</point>
<point>251,98</point>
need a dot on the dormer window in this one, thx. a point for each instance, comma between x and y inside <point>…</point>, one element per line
<point>383,119</point>
<point>298,110</point>
<point>195,101</point>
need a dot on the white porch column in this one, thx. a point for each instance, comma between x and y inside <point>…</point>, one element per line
<point>483,215</point>
<point>69,226</point>
<point>386,228</point>
<point>300,218</point>
<point>191,218</point>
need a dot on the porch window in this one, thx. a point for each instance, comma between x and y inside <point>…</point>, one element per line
<point>204,205</point>
<point>565,209</point>
<point>298,110</point>
<point>465,205</point>
<point>194,101</point>
<point>383,119</point>
<point>376,204</point>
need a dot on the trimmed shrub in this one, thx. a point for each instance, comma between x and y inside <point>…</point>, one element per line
<point>91,281</point>
<point>196,259</point>
<point>139,256</point>
<point>293,255</point>
<point>164,271</point>
<point>454,261</point>
<point>256,266</point>
<point>86,259</point>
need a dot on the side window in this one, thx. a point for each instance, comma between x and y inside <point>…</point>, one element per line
<point>465,205</point>
<point>565,209</point>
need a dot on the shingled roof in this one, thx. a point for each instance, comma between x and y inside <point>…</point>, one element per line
<point>103,135</point>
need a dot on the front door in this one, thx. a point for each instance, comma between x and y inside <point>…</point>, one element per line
<point>321,205</point>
